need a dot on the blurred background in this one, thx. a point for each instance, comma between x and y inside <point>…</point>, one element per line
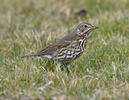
<point>27,26</point>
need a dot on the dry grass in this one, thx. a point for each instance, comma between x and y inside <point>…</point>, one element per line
<point>27,26</point>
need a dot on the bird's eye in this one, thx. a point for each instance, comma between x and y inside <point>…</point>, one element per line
<point>85,26</point>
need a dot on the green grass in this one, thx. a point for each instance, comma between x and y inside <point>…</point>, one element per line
<point>27,26</point>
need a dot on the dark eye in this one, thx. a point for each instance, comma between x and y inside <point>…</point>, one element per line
<point>85,26</point>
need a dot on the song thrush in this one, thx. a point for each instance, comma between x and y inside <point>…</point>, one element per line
<point>69,47</point>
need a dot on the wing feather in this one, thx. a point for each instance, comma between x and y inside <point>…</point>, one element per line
<point>49,50</point>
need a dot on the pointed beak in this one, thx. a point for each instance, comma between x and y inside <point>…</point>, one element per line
<point>95,27</point>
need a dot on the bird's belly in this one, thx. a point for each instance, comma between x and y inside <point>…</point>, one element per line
<point>70,53</point>
<point>69,56</point>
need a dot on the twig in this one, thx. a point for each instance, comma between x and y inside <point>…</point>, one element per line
<point>42,88</point>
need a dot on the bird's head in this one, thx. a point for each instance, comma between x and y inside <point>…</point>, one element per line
<point>84,29</point>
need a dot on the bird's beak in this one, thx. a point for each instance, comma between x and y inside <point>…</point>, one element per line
<point>95,27</point>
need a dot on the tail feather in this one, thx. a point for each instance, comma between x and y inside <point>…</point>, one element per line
<point>29,56</point>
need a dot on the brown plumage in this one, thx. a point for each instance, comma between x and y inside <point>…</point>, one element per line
<point>69,47</point>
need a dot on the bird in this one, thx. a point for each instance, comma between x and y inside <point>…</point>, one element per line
<point>68,48</point>
<point>81,13</point>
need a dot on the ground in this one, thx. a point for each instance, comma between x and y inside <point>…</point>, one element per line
<point>27,26</point>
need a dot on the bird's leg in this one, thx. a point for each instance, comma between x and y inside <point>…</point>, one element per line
<point>69,68</point>
<point>58,68</point>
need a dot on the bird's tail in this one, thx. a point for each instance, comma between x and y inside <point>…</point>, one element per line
<point>29,56</point>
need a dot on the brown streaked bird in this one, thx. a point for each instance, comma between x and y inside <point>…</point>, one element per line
<point>69,47</point>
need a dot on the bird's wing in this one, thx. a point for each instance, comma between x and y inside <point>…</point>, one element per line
<point>49,50</point>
